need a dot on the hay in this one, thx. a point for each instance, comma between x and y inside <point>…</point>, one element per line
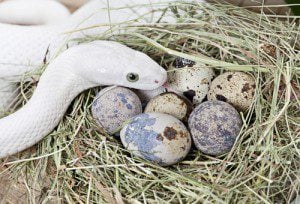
<point>78,163</point>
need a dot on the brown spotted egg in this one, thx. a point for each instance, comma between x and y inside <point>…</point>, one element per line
<point>157,137</point>
<point>172,104</point>
<point>236,88</point>
<point>190,79</point>
<point>113,106</point>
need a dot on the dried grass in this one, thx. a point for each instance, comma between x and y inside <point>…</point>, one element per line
<point>78,163</point>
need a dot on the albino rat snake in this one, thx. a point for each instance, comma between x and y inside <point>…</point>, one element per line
<point>80,67</point>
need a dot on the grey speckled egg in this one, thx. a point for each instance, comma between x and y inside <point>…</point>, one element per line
<point>172,104</point>
<point>113,106</point>
<point>190,79</point>
<point>214,126</point>
<point>157,137</point>
<point>236,88</point>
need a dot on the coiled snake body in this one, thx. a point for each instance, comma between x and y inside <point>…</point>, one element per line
<point>76,69</point>
<point>24,48</point>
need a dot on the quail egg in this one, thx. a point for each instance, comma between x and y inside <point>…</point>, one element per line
<point>113,106</point>
<point>214,126</point>
<point>157,137</point>
<point>236,88</point>
<point>172,104</point>
<point>189,79</point>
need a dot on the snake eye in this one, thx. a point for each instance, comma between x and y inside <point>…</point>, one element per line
<point>132,77</point>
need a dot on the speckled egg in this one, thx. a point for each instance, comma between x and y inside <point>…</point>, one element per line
<point>157,137</point>
<point>115,105</point>
<point>236,88</point>
<point>190,79</point>
<point>147,95</point>
<point>214,126</point>
<point>172,104</point>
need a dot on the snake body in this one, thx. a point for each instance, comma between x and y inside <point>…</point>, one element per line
<point>33,12</point>
<point>77,69</point>
<point>23,48</point>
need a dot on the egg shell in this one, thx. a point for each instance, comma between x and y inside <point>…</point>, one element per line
<point>236,88</point>
<point>157,137</point>
<point>190,79</point>
<point>115,105</point>
<point>214,126</point>
<point>147,95</point>
<point>172,104</point>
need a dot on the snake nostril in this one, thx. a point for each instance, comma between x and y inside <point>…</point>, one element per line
<point>156,81</point>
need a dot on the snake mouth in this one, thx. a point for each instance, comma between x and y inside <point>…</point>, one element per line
<point>159,82</point>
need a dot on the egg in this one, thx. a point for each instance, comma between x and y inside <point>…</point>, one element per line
<point>236,88</point>
<point>214,126</point>
<point>189,79</point>
<point>157,137</point>
<point>113,106</point>
<point>172,104</point>
<point>147,95</point>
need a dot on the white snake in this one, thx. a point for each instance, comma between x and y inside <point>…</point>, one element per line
<point>23,48</point>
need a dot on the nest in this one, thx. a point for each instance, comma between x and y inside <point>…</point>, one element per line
<point>79,163</point>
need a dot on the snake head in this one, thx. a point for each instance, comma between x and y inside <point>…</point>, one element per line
<point>110,63</point>
<point>142,72</point>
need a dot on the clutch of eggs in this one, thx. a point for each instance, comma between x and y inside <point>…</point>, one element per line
<point>189,79</point>
<point>159,135</point>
